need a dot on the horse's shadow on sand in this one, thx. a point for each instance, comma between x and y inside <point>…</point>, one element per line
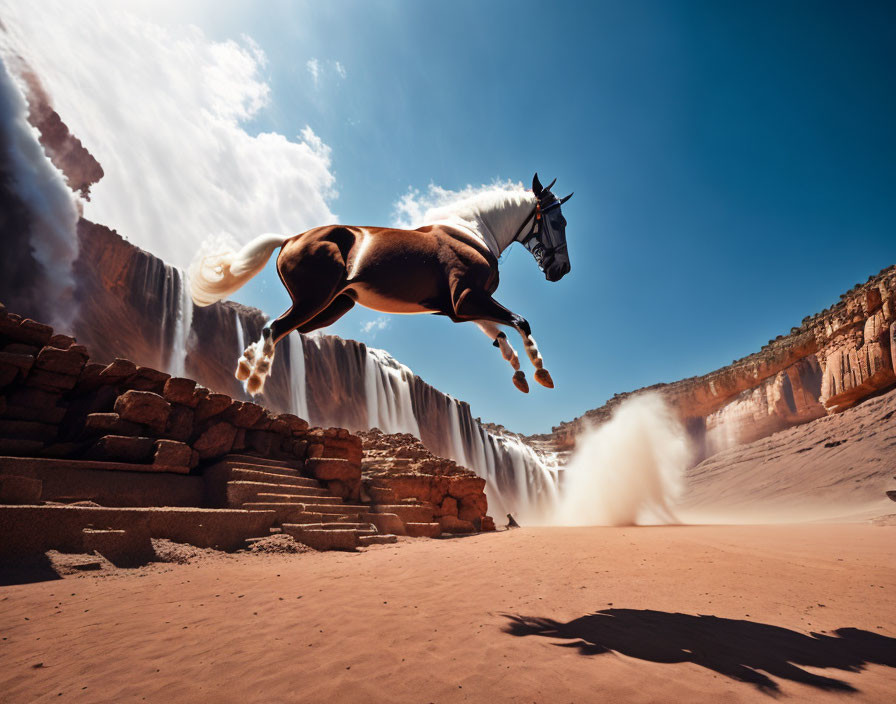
<point>732,647</point>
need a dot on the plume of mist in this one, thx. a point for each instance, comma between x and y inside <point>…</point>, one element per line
<point>50,213</point>
<point>629,470</point>
<point>173,116</point>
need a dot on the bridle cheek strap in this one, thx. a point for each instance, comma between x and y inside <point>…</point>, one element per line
<point>533,242</point>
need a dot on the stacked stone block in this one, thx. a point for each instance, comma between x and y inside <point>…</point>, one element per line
<point>55,403</point>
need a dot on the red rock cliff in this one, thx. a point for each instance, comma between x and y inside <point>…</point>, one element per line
<point>832,361</point>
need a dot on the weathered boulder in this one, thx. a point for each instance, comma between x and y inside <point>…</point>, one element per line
<point>217,440</point>
<point>172,453</point>
<point>144,407</point>
<point>122,448</point>
<point>212,405</point>
<point>182,391</point>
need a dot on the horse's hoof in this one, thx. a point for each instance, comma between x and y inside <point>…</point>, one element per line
<point>519,381</point>
<point>243,370</point>
<point>253,386</point>
<point>543,377</point>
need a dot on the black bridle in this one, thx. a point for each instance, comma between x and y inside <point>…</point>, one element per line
<point>533,241</point>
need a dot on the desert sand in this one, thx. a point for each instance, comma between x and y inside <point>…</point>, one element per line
<point>640,614</point>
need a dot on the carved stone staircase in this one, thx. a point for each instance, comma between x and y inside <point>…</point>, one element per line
<point>304,507</point>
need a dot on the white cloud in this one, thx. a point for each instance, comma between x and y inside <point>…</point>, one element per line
<point>372,327</point>
<point>415,208</point>
<point>162,109</point>
<point>313,66</point>
<point>319,70</point>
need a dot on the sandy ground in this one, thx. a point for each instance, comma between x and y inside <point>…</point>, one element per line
<point>650,614</point>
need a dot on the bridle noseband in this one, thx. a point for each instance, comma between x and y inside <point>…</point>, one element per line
<point>533,241</point>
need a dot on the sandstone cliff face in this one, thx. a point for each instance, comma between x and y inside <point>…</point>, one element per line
<point>838,467</point>
<point>834,360</point>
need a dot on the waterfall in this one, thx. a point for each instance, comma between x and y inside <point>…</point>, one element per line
<point>176,316</point>
<point>39,218</point>
<point>297,388</point>
<point>182,324</point>
<point>388,391</point>
<point>351,385</point>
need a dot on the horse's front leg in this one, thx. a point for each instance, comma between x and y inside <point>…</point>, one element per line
<point>479,307</point>
<point>499,340</point>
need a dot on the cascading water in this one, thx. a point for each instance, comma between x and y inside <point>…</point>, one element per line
<point>183,321</point>
<point>297,387</point>
<point>388,392</point>
<point>351,385</point>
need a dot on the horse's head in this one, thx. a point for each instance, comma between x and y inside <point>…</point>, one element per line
<point>547,242</point>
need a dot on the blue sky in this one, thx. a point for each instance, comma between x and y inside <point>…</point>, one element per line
<point>734,164</point>
<point>734,168</point>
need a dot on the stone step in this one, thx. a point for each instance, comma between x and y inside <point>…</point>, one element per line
<point>380,539</point>
<point>353,509</point>
<point>381,495</point>
<point>359,528</point>
<point>240,492</point>
<point>14,465</point>
<point>294,513</point>
<point>323,539</point>
<point>29,530</point>
<point>423,530</point>
<point>290,489</point>
<point>294,498</point>
<point>409,513</point>
<point>253,475</point>
<point>262,462</point>
<point>230,467</point>
<point>385,522</point>
<point>365,528</point>
<point>329,468</point>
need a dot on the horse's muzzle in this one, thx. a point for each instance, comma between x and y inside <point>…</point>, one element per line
<point>557,269</point>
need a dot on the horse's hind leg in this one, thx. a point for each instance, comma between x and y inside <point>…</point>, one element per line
<point>313,280</point>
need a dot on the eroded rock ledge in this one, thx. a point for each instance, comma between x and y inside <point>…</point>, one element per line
<point>397,468</point>
<point>832,361</point>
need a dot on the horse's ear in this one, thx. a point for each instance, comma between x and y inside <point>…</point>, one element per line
<point>563,200</point>
<point>536,185</point>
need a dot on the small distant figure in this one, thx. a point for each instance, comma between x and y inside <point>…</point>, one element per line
<point>511,522</point>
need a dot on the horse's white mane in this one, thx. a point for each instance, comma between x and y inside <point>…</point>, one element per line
<point>493,214</point>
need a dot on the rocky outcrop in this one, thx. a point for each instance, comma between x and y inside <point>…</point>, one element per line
<point>57,402</point>
<point>832,361</point>
<point>400,475</point>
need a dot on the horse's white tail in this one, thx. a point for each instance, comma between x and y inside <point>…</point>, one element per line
<point>215,274</point>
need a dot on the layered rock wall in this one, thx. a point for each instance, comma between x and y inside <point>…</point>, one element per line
<point>56,402</point>
<point>831,362</point>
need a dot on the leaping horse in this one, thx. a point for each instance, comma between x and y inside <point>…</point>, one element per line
<point>448,267</point>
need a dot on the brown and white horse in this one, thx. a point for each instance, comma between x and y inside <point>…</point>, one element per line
<point>447,267</point>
